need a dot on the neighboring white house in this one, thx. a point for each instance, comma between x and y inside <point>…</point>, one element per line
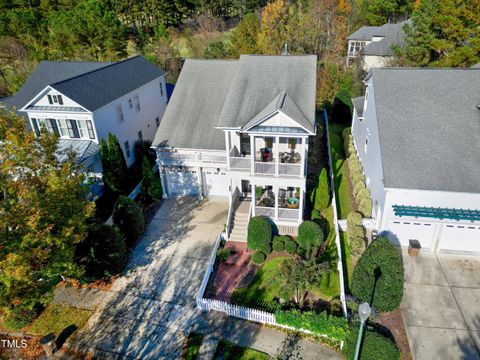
<point>83,102</point>
<point>374,44</point>
<point>240,129</point>
<point>417,133</point>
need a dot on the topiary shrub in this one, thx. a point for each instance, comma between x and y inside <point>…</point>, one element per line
<point>18,317</point>
<point>374,346</point>
<point>381,267</point>
<point>128,216</point>
<point>258,258</point>
<point>365,207</point>
<point>279,243</point>
<point>259,234</point>
<point>357,188</point>
<point>354,164</point>
<point>363,194</point>
<point>103,252</point>
<point>291,246</point>
<point>310,235</point>
<point>354,219</point>
<point>357,177</point>
<point>223,254</point>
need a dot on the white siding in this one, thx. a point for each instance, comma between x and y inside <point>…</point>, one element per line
<point>42,99</point>
<point>152,105</point>
<point>371,158</point>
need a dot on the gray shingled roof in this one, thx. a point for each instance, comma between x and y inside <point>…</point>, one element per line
<point>48,72</point>
<point>429,128</point>
<point>393,35</point>
<point>193,110</point>
<point>358,104</point>
<point>259,79</point>
<point>214,93</point>
<point>100,87</point>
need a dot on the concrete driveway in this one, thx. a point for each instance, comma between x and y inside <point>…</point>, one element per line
<point>441,306</point>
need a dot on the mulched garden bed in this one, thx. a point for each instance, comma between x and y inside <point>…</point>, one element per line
<point>393,320</point>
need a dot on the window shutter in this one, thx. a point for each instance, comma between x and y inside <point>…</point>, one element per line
<point>76,134</point>
<point>60,100</point>
<point>50,101</point>
<point>35,127</point>
<point>53,122</point>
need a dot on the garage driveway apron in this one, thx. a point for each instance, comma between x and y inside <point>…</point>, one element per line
<point>441,306</point>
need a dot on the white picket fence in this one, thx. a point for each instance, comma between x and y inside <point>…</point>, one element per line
<point>370,224</point>
<point>335,221</point>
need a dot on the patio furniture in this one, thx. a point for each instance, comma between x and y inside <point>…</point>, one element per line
<point>265,154</point>
<point>293,202</point>
<point>268,199</point>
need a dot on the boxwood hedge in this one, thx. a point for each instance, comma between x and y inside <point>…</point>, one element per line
<point>310,235</point>
<point>374,346</point>
<point>380,267</point>
<point>258,258</point>
<point>259,234</point>
<point>291,246</point>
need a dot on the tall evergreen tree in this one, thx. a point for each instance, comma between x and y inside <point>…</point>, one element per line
<point>244,37</point>
<point>117,165</point>
<point>151,186</point>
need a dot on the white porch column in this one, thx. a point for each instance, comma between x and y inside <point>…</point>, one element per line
<point>304,146</point>
<point>254,194</point>
<point>300,205</point>
<point>252,154</point>
<point>277,153</point>
<point>161,172</point>
<point>200,182</point>
<point>275,191</point>
<point>227,144</point>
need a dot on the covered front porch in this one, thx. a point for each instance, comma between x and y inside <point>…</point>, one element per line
<point>282,203</point>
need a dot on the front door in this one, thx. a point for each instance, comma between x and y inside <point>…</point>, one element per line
<point>246,188</point>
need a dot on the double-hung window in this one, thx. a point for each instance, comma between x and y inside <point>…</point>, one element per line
<point>91,133</point>
<point>55,99</point>
<point>73,129</point>
<point>36,129</point>
<point>52,126</point>
<point>62,124</point>
<point>137,103</point>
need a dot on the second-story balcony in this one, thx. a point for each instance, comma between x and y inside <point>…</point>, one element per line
<point>273,156</point>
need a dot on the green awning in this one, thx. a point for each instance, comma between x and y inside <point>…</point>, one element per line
<point>436,213</point>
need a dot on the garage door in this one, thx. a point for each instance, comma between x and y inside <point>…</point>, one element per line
<point>182,181</point>
<point>462,238</point>
<point>215,182</point>
<point>401,232</point>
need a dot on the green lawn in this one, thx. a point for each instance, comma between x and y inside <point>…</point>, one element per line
<point>344,196</point>
<point>61,320</point>
<point>193,346</point>
<point>229,351</point>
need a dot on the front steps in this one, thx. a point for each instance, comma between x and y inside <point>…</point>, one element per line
<point>239,222</point>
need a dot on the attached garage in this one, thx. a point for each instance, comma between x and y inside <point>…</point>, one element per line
<point>182,181</point>
<point>459,238</point>
<point>215,182</point>
<point>401,231</point>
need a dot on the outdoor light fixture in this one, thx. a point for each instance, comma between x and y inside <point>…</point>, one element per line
<point>364,312</point>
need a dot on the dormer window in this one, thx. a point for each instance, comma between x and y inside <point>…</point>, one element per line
<point>55,99</point>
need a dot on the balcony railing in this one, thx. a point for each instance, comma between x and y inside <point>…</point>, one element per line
<point>288,214</point>
<point>264,211</point>
<point>172,157</point>
<point>240,163</point>
<point>265,167</point>
<point>289,169</point>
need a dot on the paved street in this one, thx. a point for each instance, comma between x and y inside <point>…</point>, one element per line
<point>441,306</point>
<point>150,310</point>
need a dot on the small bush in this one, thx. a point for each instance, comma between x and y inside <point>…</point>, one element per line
<point>128,216</point>
<point>291,246</point>
<point>258,258</point>
<point>363,194</point>
<point>357,188</point>
<point>223,254</point>
<point>354,164</point>
<point>334,327</point>
<point>356,231</point>
<point>350,149</point>
<point>279,243</point>
<point>365,207</point>
<point>310,235</point>
<point>303,253</point>
<point>259,236</point>
<point>357,245</point>
<point>357,177</point>
<point>346,132</point>
<point>380,260</point>
<point>374,347</point>
<point>354,218</point>
<point>18,317</point>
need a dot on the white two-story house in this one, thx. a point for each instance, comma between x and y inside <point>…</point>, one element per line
<point>83,102</point>
<point>417,134</point>
<point>374,45</point>
<point>240,129</point>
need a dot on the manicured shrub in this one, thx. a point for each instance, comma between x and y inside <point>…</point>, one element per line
<point>18,317</point>
<point>128,216</point>
<point>103,252</point>
<point>363,194</point>
<point>379,267</point>
<point>321,195</point>
<point>354,164</point>
<point>356,244</point>
<point>351,148</point>
<point>347,140</point>
<point>291,246</point>
<point>151,186</point>
<point>279,243</point>
<point>334,327</point>
<point>303,253</point>
<point>374,347</point>
<point>310,235</point>
<point>223,254</point>
<point>354,218</point>
<point>357,177</point>
<point>258,258</point>
<point>365,207</point>
<point>259,234</point>
<point>357,188</point>
<point>355,233</point>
